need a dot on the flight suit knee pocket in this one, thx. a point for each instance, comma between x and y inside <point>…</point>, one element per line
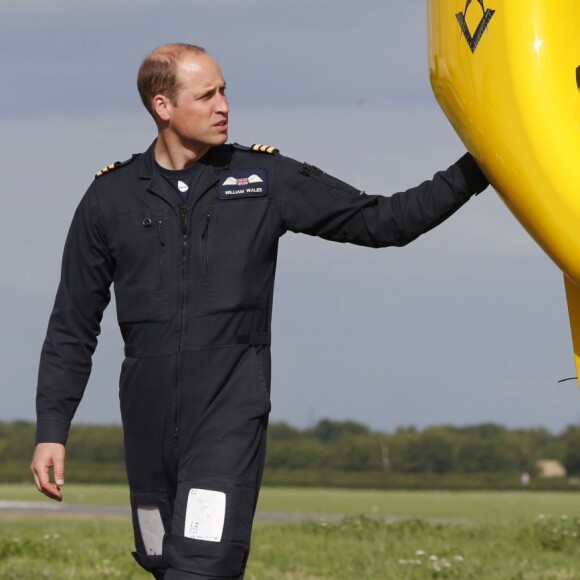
<point>212,526</point>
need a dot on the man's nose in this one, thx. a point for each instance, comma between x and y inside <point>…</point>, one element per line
<point>222,105</point>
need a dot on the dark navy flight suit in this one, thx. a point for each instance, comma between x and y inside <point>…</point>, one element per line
<point>193,286</point>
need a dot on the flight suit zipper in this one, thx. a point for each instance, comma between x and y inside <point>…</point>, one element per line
<point>184,226</point>
<point>183,211</point>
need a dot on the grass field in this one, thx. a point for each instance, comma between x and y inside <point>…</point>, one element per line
<point>501,536</point>
<point>472,505</point>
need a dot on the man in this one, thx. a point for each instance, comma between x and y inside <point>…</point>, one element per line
<point>188,233</point>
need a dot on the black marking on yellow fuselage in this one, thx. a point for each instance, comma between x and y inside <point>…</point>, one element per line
<point>473,40</point>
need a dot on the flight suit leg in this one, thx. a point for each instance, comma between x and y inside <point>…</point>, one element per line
<point>148,413</point>
<point>224,407</point>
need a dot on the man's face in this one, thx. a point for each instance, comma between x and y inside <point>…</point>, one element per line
<point>199,116</point>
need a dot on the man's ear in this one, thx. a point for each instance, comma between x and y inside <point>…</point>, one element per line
<point>162,107</point>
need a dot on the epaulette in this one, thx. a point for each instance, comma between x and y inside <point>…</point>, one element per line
<point>258,148</point>
<point>264,149</point>
<point>117,164</point>
<point>108,168</point>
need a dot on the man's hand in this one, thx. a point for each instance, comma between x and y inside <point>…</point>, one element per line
<point>47,456</point>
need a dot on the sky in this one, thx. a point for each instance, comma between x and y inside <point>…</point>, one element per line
<point>466,325</point>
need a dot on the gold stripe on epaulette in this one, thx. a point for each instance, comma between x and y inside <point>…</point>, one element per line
<point>108,168</point>
<point>264,149</point>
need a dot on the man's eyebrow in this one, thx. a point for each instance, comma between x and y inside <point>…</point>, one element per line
<point>216,86</point>
<point>207,90</point>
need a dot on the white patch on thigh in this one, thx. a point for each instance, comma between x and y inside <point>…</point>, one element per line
<point>205,515</point>
<point>152,530</point>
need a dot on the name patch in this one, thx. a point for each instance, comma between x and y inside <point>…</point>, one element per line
<point>239,183</point>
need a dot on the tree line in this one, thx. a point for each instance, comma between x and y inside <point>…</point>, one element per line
<point>485,448</point>
<point>336,452</point>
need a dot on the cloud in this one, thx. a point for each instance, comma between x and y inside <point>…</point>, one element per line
<point>434,332</point>
<point>71,57</point>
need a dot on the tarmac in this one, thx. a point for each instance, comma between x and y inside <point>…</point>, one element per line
<point>108,510</point>
<point>124,511</point>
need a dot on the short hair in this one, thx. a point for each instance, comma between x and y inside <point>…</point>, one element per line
<point>158,72</point>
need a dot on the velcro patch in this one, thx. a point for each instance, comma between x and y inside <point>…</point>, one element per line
<point>152,530</point>
<point>205,515</point>
<point>239,183</point>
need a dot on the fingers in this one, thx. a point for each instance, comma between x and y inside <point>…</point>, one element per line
<point>58,467</point>
<point>49,456</point>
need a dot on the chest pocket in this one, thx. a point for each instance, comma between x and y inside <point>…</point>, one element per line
<point>140,246</point>
<point>235,255</point>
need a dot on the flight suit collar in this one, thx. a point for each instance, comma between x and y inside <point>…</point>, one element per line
<point>217,158</point>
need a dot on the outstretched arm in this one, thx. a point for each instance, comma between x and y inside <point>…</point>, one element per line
<point>318,204</point>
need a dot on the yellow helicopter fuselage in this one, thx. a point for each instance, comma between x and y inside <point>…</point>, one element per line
<point>506,74</point>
